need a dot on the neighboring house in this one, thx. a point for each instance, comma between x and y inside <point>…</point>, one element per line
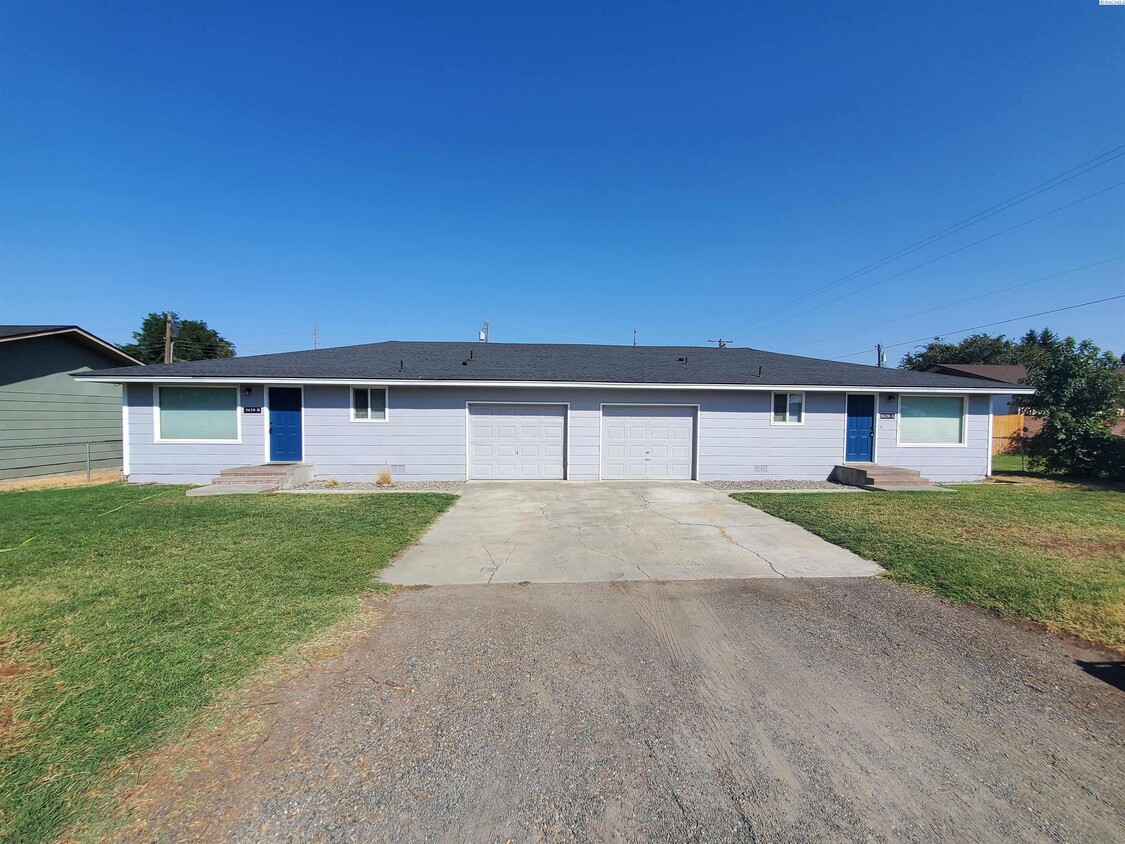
<point>46,416</point>
<point>450,411</point>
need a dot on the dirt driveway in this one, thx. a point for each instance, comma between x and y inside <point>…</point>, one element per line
<point>756,710</point>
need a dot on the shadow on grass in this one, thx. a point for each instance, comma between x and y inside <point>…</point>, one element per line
<point>1108,672</point>
<point>1085,484</point>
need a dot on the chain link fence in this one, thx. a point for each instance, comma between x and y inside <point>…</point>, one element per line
<point>77,457</point>
<point>1010,453</point>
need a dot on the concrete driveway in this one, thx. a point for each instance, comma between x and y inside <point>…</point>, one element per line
<point>567,532</point>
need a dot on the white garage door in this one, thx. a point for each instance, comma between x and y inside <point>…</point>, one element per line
<point>647,442</point>
<point>517,441</point>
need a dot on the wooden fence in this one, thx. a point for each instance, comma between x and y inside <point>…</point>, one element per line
<point>1006,432</point>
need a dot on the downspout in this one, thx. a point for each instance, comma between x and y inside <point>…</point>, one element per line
<point>125,431</point>
<point>988,471</point>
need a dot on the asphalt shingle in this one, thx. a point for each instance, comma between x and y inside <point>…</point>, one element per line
<point>571,363</point>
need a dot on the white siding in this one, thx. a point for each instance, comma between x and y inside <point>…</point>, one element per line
<point>426,433</point>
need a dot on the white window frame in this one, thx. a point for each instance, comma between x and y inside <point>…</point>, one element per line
<point>156,414</point>
<point>787,394</point>
<point>964,422</point>
<point>386,405</point>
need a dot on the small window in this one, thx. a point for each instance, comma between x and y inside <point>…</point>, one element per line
<point>369,404</point>
<point>931,420</point>
<point>197,414</point>
<point>788,408</point>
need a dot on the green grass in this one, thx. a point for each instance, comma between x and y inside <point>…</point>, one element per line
<point>1048,551</point>
<point>123,615</point>
<point>1007,463</point>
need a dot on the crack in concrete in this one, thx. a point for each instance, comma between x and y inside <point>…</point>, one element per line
<point>495,565</point>
<point>578,535</point>
<point>648,505</point>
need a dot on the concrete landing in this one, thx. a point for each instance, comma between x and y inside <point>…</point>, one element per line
<point>876,477</point>
<point>573,532</point>
<point>231,489</point>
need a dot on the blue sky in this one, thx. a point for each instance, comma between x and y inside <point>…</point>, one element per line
<point>568,171</point>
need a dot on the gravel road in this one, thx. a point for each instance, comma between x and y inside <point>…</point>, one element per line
<point>841,710</point>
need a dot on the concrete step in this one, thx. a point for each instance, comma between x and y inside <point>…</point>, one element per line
<point>272,475</point>
<point>876,476</point>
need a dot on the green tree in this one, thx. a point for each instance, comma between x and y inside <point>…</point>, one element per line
<point>981,348</point>
<point>1077,390</point>
<point>196,341</point>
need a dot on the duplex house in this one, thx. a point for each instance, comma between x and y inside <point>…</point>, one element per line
<point>449,411</point>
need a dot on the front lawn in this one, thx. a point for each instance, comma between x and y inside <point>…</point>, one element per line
<point>125,610</point>
<point>1049,551</point>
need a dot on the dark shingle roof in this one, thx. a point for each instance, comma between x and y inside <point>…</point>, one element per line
<point>410,361</point>
<point>7,331</point>
<point>15,333</point>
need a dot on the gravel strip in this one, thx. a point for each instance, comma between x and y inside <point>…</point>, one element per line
<point>397,486</point>
<point>768,710</point>
<point>781,486</point>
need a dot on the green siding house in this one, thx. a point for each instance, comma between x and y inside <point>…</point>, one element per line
<point>46,416</point>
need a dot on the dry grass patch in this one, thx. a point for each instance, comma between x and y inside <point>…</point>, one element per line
<point>1050,551</point>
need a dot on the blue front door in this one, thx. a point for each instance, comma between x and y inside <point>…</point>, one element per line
<point>861,429</point>
<point>285,424</point>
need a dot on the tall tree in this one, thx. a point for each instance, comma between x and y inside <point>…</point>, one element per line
<point>196,341</point>
<point>982,348</point>
<point>1077,391</point>
<point>979,348</point>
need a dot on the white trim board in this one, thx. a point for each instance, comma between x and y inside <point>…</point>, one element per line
<point>592,385</point>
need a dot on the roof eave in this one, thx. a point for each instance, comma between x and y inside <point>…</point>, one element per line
<point>81,332</point>
<point>625,385</point>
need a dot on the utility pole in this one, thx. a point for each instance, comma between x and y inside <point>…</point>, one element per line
<point>484,332</point>
<point>314,335</point>
<point>880,358</point>
<point>167,338</point>
<point>722,343</point>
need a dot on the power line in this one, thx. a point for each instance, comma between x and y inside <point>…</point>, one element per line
<point>980,216</point>
<point>947,254</point>
<point>978,296</point>
<point>985,325</point>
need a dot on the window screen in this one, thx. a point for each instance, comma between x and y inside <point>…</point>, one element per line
<point>199,413</point>
<point>369,403</point>
<point>788,408</point>
<point>931,420</point>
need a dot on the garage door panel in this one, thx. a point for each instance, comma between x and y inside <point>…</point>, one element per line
<point>651,441</point>
<point>517,442</point>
